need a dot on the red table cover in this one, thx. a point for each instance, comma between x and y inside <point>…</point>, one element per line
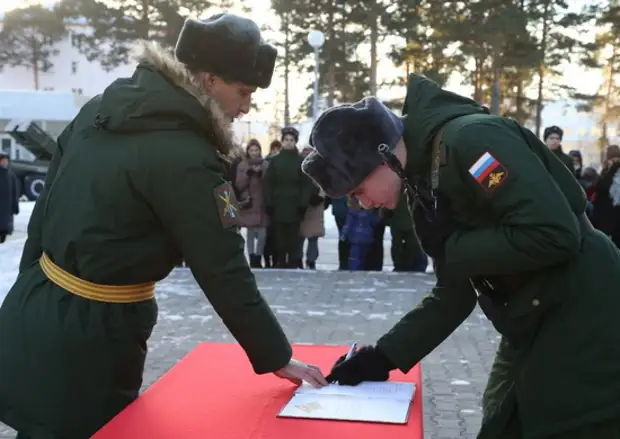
<point>213,393</point>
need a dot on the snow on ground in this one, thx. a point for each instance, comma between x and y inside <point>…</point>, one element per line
<point>11,250</point>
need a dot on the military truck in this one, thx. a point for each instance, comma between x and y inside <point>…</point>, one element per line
<point>31,174</point>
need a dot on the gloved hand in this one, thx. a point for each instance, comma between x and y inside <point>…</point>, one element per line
<point>433,232</point>
<point>250,172</point>
<point>269,211</point>
<point>368,363</point>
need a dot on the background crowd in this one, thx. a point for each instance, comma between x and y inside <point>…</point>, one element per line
<point>283,211</point>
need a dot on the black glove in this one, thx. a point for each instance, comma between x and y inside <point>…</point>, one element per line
<point>315,200</point>
<point>269,211</point>
<point>368,363</point>
<point>433,228</point>
<point>250,172</point>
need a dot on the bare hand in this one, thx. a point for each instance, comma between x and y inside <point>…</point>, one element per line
<point>296,371</point>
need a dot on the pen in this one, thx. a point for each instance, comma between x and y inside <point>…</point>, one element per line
<point>351,351</point>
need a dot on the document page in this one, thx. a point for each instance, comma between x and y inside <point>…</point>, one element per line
<point>366,389</point>
<point>383,402</point>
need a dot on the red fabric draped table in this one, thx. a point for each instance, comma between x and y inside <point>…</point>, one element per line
<point>213,393</point>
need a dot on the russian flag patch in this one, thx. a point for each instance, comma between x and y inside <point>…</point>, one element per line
<point>488,172</point>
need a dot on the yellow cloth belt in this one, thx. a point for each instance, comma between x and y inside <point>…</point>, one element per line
<point>92,291</point>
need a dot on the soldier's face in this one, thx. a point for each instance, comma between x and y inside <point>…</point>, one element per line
<point>234,98</point>
<point>383,187</point>
<point>4,162</point>
<point>288,141</point>
<point>553,141</point>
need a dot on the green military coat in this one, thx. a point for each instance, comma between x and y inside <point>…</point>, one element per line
<point>400,218</point>
<point>136,186</point>
<point>520,222</point>
<point>286,189</point>
<point>564,158</point>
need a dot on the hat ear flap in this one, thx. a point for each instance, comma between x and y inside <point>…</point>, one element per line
<point>329,178</point>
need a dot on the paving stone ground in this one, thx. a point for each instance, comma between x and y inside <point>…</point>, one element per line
<point>330,307</point>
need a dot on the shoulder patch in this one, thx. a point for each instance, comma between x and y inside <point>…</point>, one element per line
<point>227,205</point>
<point>488,172</point>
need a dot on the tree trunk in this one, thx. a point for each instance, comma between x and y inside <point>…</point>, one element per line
<point>478,79</point>
<point>519,110</point>
<point>374,37</point>
<point>287,61</point>
<point>331,70</point>
<point>496,88</point>
<point>608,96</point>
<point>541,67</point>
<point>35,62</point>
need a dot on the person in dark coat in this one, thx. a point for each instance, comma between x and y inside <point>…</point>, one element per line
<point>9,197</point>
<point>269,252</point>
<point>339,212</point>
<point>286,197</point>
<point>75,326</point>
<point>553,136</point>
<point>504,221</point>
<point>577,158</point>
<point>606,206</point>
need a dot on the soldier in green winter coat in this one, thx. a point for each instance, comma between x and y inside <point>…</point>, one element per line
<point>553,139</point>
<point>504,221</point>
<point>136,186</point>
<point>286,197</point>
<point>407,254</point>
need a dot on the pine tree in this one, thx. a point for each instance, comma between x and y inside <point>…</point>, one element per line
<point>603,55</point>
<point>28,39</point>
<point>423,26</point>
<point>343,76</point>
<point>117,26</point>
<point>554,47</point>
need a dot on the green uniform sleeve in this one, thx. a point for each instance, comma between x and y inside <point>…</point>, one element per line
<point>32,248</point>
<point>206,232</point>
<point>423,329</point>
<point>531,223</point>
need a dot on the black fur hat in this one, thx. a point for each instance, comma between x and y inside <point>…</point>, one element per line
<point>553,130</point>
<point>292,131</point>
<point>345,139</point>
<point>229,46</point>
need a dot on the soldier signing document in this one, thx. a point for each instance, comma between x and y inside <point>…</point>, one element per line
<point>137,186</point>
<point>504,221</point>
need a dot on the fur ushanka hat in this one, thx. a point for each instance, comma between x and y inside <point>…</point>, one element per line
<point>292,131</point>
<point>229,46</point>
<point>553,130</point>
<point>346,138</point>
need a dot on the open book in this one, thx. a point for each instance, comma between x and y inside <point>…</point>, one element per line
<point>383,402</point>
